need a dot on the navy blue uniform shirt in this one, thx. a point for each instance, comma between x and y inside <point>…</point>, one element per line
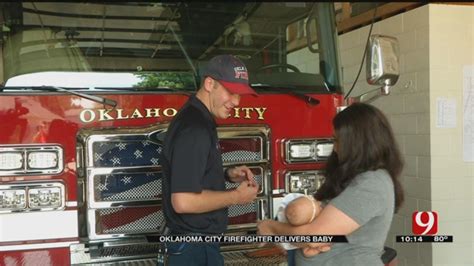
<point>192,162</point>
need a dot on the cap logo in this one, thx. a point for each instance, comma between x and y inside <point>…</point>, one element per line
<point>241,73</point>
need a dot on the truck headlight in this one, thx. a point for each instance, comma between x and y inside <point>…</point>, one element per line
<point>302,150</point>
<point>45,197</point>
<point>303,181</point>
<point>30,196</point>
<point>20,160</point>
<point>42,160</point>
<point>12,199</point>
<point>11,161</point>
<point>307,150</point>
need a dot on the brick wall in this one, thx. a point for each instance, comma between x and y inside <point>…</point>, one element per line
<point>451,34</point>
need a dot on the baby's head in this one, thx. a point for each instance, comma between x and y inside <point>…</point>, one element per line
<point>302,210</point>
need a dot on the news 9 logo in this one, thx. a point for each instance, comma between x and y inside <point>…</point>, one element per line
<point>425,223</point>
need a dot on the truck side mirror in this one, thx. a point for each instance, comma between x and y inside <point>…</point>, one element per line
<point>382,67</point>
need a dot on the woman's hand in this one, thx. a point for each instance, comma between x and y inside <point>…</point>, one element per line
<point>310,252</point>
<point>265,227</point>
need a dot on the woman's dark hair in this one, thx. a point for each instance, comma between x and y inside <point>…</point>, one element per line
<point>364,142</point>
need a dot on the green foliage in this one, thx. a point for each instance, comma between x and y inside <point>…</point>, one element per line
<point>171,80</point>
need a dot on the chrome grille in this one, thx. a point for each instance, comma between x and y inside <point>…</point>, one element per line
<point>127,186</point>
<point>130,220</point>
<point>241,150</point>
<point>236,258</point>
<point>129,250</point>
<point>243,214</point>
<point>240,156</point>
<point>122,178</point>
<point>140,254</point>
<point>246,213</point>
<point>125,153</point>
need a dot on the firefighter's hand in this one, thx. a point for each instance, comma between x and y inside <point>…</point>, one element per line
<point>241,173</point>
<point>245,193</point>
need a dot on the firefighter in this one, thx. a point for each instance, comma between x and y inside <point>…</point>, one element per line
<point>362,191</point>
<point>195,199</point>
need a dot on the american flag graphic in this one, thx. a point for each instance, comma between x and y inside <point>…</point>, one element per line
<point>130,220</point>
<point>134,185</point>
<point>123,154</point>
<point>240,150</point>
<point>126,187</point>
<point>140,186</point>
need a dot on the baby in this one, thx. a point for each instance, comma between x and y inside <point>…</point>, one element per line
<point>297,209</point>
<point>302,210</point>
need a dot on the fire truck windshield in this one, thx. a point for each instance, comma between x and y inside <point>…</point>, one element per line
<point>145,46</point>
<point>106,80</point>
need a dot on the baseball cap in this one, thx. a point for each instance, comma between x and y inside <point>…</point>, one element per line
<point>230,72</point>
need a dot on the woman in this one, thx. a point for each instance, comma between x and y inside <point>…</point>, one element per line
<point>362,191</point>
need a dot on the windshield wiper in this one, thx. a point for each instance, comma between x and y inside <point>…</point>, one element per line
<point>94,98</point>
<point>290,90</point>
<point>140,89</point>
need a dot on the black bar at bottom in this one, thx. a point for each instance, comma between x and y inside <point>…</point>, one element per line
<point>424,239</point>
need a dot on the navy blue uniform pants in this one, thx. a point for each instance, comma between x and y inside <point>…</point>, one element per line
<point>195,254</point>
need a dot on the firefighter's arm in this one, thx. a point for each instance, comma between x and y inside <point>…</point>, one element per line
<point>208,200</point>
<point>331,221</point>
<point>239,174</point>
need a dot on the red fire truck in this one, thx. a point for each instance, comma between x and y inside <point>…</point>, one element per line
<point>88,90</point>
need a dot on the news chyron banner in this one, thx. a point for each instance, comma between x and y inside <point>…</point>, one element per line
<point>424,228</point>
<point>250,238</point>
